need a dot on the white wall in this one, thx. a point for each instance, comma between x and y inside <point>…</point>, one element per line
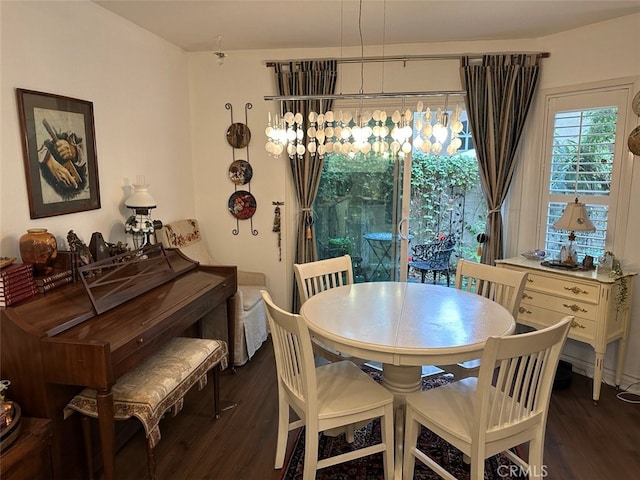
<point>138,84</point>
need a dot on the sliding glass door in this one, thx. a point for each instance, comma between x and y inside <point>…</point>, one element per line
<point>375,207</point>
<point>359,211</point>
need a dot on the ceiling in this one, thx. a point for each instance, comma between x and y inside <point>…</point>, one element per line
<point>281,24</point>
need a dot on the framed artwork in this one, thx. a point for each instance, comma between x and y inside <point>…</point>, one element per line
<point>58,140</point>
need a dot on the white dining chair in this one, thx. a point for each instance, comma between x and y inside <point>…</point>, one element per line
<point>501,285</point>
<point>483,417</point>
<point>498,284</point>
<point>315,277</point>
<point>329,396</point>
<point>321,275</point>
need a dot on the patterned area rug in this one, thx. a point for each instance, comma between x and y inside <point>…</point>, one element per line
<point>370,468</point>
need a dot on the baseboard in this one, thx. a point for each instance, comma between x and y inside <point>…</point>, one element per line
<point>608,375</point>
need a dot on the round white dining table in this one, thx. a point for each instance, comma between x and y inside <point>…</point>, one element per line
<point>404,326</point>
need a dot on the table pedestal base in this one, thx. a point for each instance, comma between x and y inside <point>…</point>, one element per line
<point>400,381</point>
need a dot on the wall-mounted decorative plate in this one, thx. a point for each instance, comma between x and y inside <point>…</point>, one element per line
<point>634,141</point>
<point>240,172</point>
<point>238,135</point>
<point>635,104</point>
<point>242,204</point>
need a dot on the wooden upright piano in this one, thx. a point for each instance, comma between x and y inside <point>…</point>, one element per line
<point>69,338</point>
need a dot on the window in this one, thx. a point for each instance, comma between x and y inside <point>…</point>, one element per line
<point>584,159</point>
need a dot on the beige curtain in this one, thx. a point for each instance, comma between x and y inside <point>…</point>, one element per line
<point>499,93</point>
<point>306,78</point>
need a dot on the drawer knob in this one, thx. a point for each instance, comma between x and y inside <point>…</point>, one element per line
<point>523,310</point>
<point>528,297</point>
<point>575,324</point>
<point>140,341</point>
<point>576,290</point>
<point>574,308</point>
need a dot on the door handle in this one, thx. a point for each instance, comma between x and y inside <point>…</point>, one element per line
<point>402,234</point>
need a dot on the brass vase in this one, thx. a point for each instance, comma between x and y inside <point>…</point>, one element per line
<point>39,247</point>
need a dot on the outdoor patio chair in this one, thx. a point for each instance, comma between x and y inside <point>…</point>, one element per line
<point>433,257</point>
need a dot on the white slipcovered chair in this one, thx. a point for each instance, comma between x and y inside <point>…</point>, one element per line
<point>250,316</point>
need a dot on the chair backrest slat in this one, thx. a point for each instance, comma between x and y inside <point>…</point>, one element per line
<point>501,285</point>
<point>315,277</point>
<point>516,378</point>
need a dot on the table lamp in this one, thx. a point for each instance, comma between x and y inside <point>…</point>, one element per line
<point>140,225</point>
<point>573,219</point>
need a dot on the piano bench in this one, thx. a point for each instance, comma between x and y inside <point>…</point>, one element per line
<point>156,386</point>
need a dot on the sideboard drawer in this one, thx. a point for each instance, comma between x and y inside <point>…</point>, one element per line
<point>562,305</point>
<point>566,287</point>
<point>582,329</point>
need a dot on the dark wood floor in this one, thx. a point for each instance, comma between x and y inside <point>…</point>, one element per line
<point>583,441</point>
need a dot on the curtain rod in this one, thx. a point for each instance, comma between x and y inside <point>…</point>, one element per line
<point>362,96</point>
<point>405,58</point>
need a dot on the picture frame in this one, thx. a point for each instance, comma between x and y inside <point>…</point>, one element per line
<point>60,161</point>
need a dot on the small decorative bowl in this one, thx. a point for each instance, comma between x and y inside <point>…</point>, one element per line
<point>534,255</point>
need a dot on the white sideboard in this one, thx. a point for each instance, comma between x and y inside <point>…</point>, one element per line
<point>600,303</point>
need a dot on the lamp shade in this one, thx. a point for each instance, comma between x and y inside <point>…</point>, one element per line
<point>575,219</point>
<point>141,198</point>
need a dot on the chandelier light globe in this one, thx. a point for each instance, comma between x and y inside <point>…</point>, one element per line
<point>329,132</point>
<point>440,133</point>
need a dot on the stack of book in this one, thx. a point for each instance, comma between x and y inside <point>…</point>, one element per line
<point>61,273</point>
<point>16,284</point>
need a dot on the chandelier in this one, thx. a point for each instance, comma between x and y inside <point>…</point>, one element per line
<point>366,132</point>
